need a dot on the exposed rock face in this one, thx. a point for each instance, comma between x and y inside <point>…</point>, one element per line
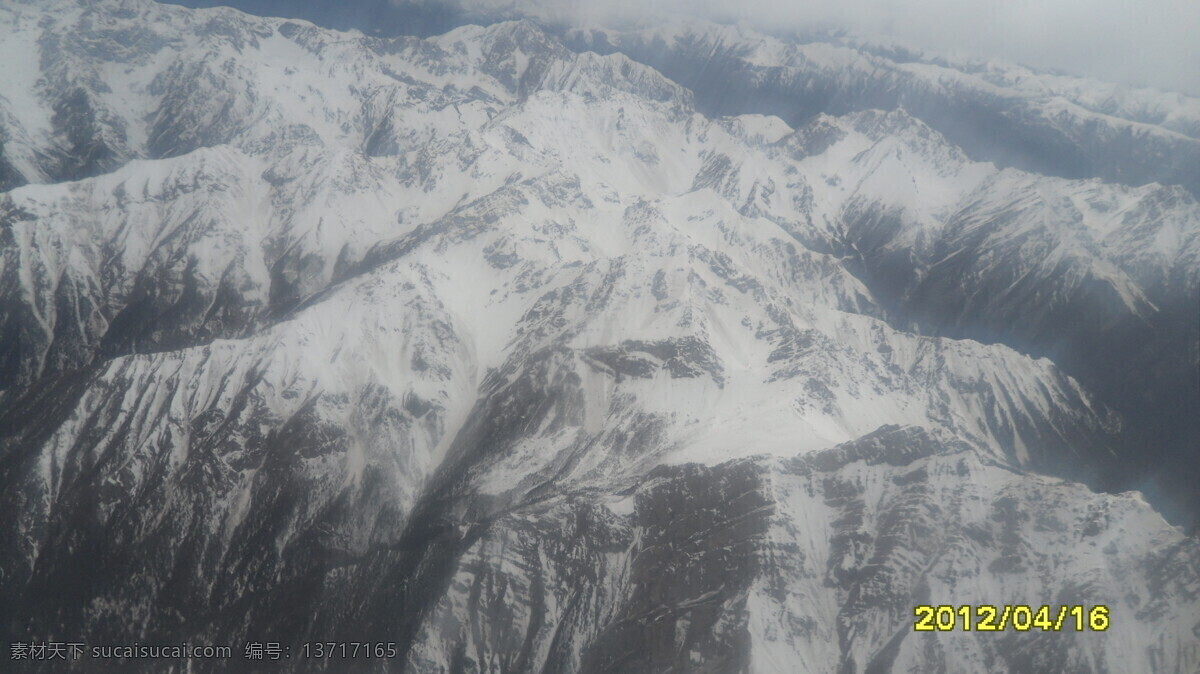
<point>510,355</point>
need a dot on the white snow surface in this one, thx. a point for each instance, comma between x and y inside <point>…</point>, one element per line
<point>483,212</point>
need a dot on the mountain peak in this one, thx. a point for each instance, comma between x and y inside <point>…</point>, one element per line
<point>713,350</point>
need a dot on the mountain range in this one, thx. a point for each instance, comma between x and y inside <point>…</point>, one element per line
<point>532,347</point>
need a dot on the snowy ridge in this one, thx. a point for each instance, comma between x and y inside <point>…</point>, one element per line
<point>1056,125</point>
<point>513,356</point>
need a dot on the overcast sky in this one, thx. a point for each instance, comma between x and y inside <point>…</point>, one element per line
<point>1141,42</point>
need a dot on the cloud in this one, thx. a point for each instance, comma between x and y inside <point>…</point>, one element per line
<point>1137,42</point>
<point>1147,42</point>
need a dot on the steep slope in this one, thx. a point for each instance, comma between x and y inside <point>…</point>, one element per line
<point>508,355</point>
<point>1100,278</point>
<point>819,563</point>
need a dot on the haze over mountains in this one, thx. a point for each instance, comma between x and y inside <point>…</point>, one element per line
<point>555,348</point>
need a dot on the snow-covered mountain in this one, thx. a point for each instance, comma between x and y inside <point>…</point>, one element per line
<point>511,350</point>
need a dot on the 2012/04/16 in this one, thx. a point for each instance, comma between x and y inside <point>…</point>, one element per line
<point>988,618</point>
